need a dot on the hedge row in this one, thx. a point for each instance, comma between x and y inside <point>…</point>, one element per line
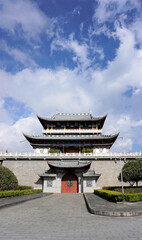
<point>13,193</point>
<point>112,196</point>
<point>127,189</point>
<point>115,196</point>
<point>133,197</point>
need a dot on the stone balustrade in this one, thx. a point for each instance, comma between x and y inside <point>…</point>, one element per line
<point>52,131</point>
<point>4,155</point>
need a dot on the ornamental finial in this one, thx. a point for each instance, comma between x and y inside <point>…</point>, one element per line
<point>90,111</point>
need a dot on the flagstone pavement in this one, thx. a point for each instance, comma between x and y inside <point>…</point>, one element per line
<point>64,216</point>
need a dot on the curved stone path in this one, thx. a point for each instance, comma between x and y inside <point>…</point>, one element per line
<point>64,216</point>
<point>100,206</point>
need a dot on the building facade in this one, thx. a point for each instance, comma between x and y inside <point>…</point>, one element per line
<point>71,155</point>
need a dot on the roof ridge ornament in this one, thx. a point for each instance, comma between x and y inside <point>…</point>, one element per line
<point>90,112</point>
<point>57,112</point>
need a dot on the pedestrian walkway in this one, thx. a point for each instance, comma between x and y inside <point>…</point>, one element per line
<point>62,217</point>
<point>95,205</point>
<point>100,206</point>
<point>10,201</point>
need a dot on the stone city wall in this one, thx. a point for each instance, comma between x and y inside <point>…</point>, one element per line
<point>28,172</point>
<point>109,171</point>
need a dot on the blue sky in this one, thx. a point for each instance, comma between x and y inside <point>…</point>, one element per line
<point>70,56</point>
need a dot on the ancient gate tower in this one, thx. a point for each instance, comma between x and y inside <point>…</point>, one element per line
<point>67,137</point>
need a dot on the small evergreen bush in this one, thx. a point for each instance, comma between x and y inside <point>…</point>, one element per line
<point>8,180</point>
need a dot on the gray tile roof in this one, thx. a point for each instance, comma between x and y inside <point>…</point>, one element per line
<point>73,116</point>
<point>72,136</point>
<point>89,173</point>
<point>70,164</point>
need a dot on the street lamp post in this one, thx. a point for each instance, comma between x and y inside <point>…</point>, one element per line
<point>121,177</point>
<point>121,172</point>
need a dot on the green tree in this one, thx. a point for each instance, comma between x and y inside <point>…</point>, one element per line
<point>132,172</point>
<point>8,180</point>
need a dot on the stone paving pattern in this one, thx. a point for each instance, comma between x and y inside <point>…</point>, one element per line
<point>101,205</point>
<point>64,216</point>
<point>5,202</point>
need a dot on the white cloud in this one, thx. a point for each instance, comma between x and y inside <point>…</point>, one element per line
<point>122,145</point>
<point>129,129</point>
<point>125,69</point>
<point>113,12</point>
<point>24,17</point>
<point>45,90</point>
<point>135,27</point>
<point>137,91</point>
<point>11,137</point>
<point>18,55</point>
<point>76,11</point>
<point>4,114</point>
<point>80,51</point>
<point>109,10</point>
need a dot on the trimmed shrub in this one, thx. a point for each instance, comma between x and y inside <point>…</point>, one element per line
<point>115,196</point>
<point>126,189</point>
<point>8,180</point>
<point>136,197</point>
<point>4,194</point>
<point>112,196</point>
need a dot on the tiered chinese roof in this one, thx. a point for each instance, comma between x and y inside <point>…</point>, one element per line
<point>53,141</point>
<point>69,120</point>
<point>72,131</point>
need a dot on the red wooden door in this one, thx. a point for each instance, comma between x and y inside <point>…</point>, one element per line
<point>69,184</point>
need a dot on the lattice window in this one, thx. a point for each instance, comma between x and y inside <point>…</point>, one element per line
<point>49,183</point>
<point>88,183</point>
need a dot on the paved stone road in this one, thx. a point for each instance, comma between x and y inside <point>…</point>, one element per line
<point>100,206</point>
<point>5,202</point>
<point>64,216</point>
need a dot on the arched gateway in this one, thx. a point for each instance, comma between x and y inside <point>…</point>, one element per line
<point>69,176</point>
<point>69,183</point>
